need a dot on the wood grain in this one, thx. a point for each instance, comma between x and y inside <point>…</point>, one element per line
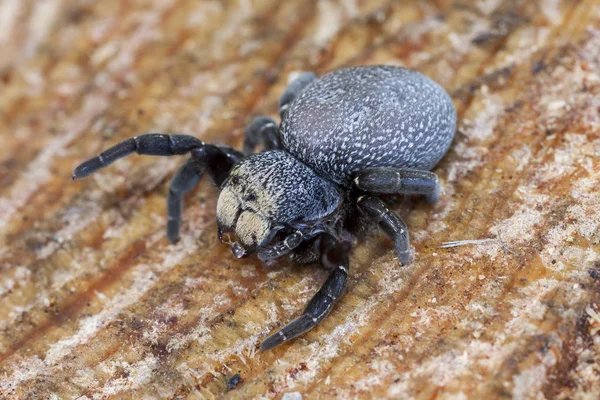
<point>95,304</point>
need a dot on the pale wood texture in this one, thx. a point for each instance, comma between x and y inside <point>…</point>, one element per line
<point>96,304</point>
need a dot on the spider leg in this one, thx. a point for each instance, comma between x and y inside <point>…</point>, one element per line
<point>264,130</point>
<point>155,144</point>
<point>217,161</point>
<point>391,180</point>
<point>334,258</point>
<point>308,252</point>
<point>261,131</point>
<point>391,224</point>
<point>183,181</point>
<point>294,90</point>
<point>281,248</point>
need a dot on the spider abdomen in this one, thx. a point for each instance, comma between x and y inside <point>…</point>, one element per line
<point>367,117</point>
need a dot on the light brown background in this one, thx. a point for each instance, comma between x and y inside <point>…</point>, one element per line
<point>96,304</point>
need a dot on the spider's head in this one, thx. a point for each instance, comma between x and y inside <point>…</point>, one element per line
<point>239,210</point>
<point>267,191</point>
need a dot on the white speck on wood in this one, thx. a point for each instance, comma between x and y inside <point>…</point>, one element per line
<point>594,320</point>
<point>487,6</point>
<point>137,374</point>
<point>44,16</point>
<point>483,125</point>
<point>529,383</point>
<point>330,18</point>
<point>9,12</point>
<point>550,9</point>
<point>292,396</point>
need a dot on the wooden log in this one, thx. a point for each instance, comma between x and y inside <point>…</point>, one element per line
<point>501,300</point>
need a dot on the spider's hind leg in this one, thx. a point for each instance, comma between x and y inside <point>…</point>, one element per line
<point>335,259</point>
<point>389,180</point>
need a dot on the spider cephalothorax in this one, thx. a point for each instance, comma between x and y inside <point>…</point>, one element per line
<point>268,192</point>
<point>344,138</point>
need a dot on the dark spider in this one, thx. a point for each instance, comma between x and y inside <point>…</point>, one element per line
<point>344,138</point>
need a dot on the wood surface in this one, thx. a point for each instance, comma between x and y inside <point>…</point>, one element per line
<point>96,304</point>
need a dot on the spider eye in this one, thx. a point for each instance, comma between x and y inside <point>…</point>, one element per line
<point>234,180</point>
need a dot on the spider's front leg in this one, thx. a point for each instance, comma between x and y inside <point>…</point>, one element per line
<point>281,248</point>
<point>217,160</point>
<point>334,258</point>
<point>153,144</point>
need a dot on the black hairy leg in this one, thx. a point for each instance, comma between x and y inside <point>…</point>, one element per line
<point>217,160</point>
<point>152,144</point>
<point>389,180</point>
<point>391,224</point>
<point>205,157</point>
<point>264,130</point>
<point>261,131</point>
<point>293,90</point>
<point>335,258</point>
<point>282,248</point>
<point>212,159</point>
<point>183,181</point>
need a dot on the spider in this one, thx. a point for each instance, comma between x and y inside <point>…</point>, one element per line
<point>344,139</point>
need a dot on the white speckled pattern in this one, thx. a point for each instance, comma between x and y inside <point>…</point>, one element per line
<point>280,188</point>
<point>362,117</point>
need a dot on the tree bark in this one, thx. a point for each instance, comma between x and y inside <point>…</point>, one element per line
<point>501,299</point>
